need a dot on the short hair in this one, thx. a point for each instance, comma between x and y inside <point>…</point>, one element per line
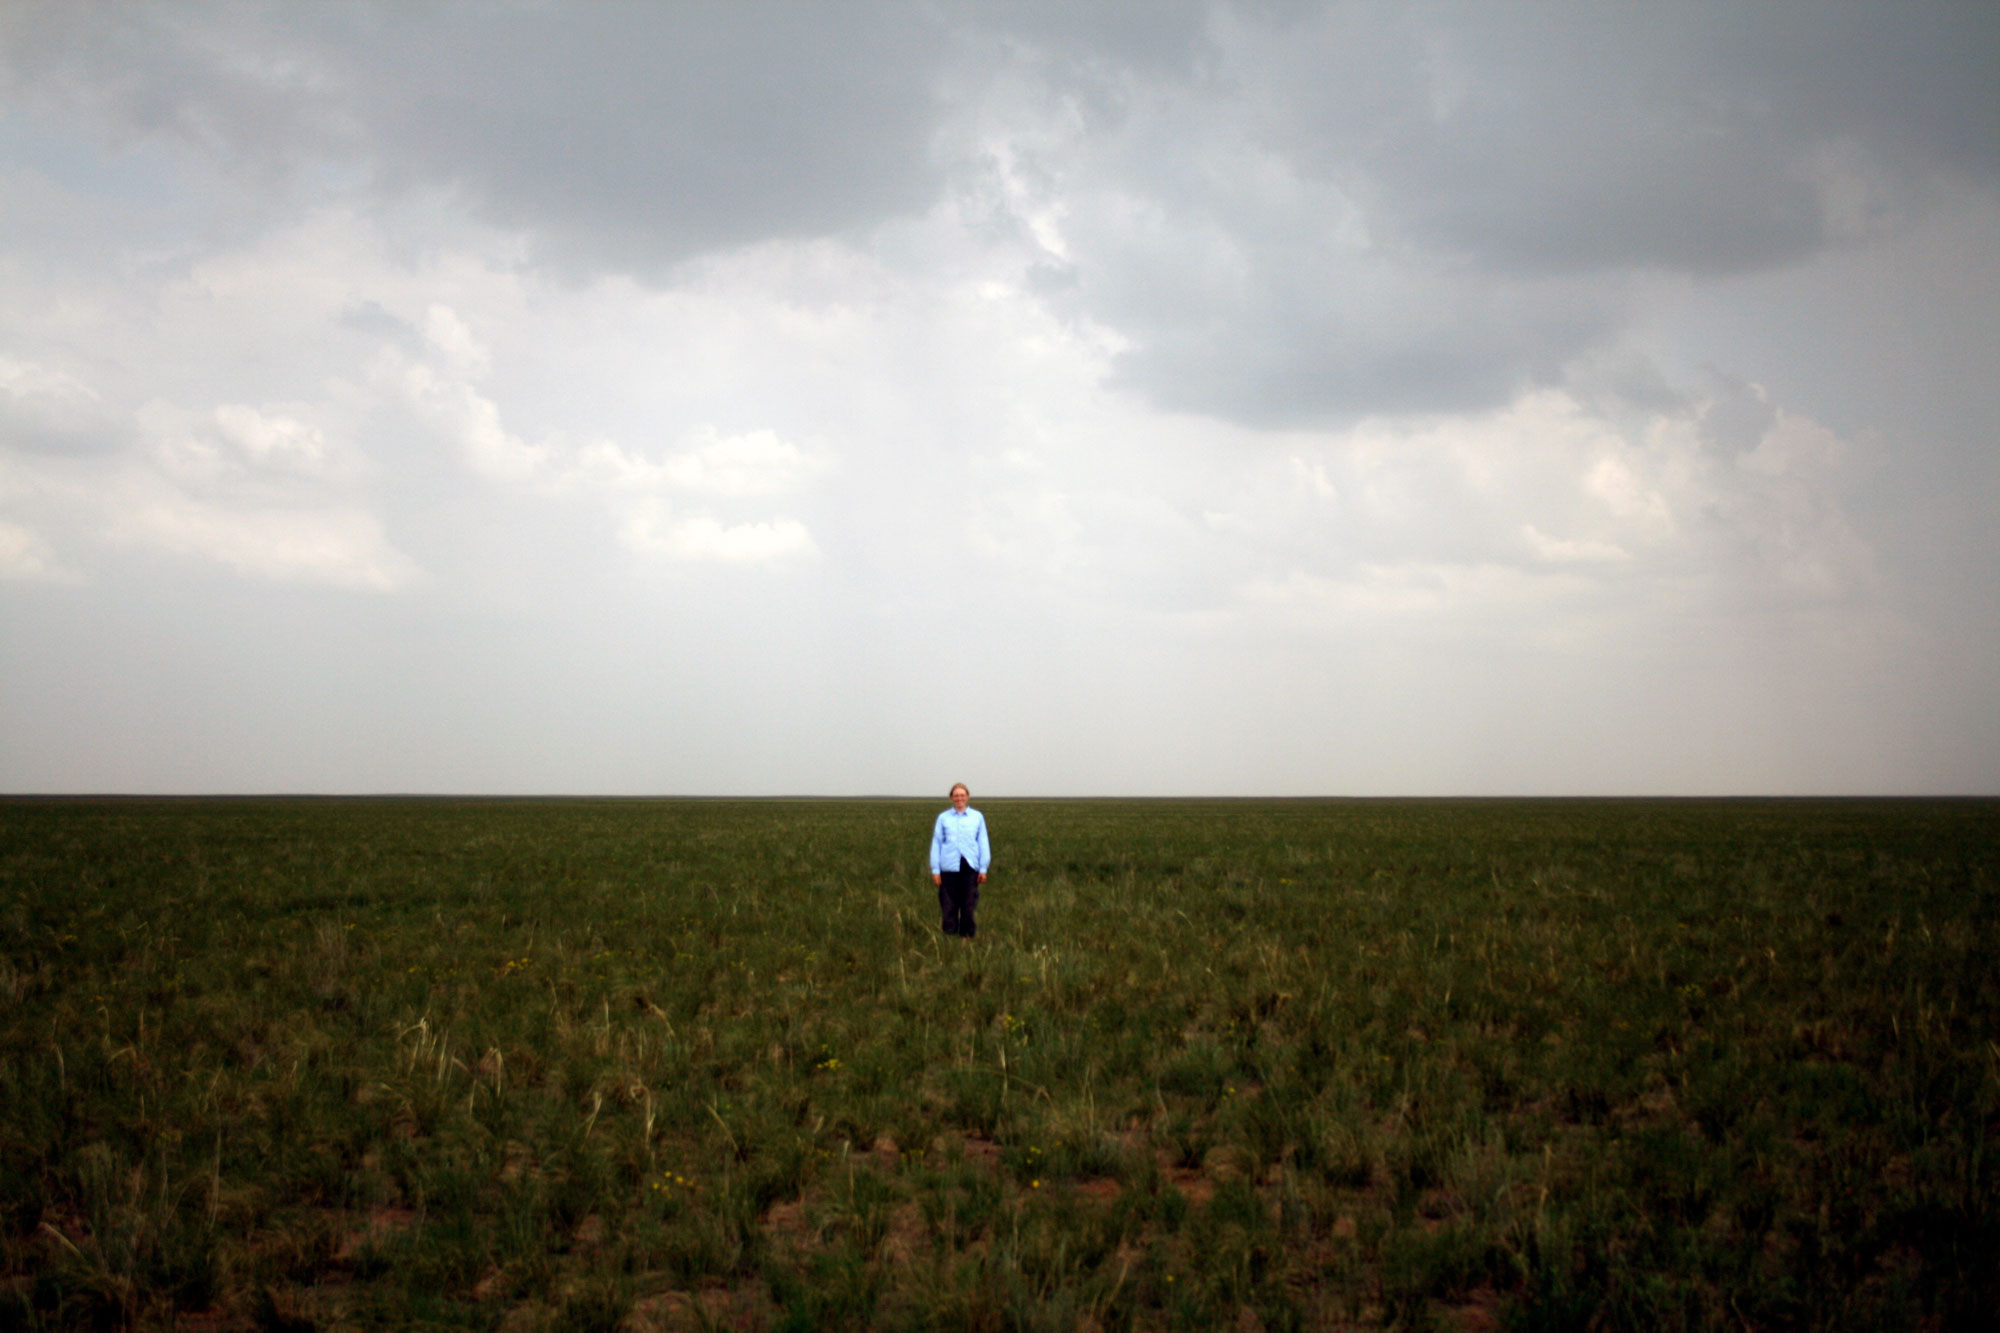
<point>957,786</point>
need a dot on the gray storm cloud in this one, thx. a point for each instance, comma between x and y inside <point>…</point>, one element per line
<point>617,136</point>
<point>1371,208</point>
<point>1290,212</point>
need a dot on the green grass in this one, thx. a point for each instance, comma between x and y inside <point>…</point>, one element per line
<point>595,1064</point>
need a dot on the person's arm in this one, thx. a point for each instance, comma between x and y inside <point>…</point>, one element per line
<point>985,849</point>
<point>937,836</point>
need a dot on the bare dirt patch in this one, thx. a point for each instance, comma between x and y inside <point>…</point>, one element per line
<point>1479,1312</point>
<point>1435,1208</point>
<point>787,1221</point>
<point>517,1160</point>
<point>907,1236</point>
<point>1194,1185</point>
<point>710,1308</point>
<point>667,1310</point>
<point>524,1317</point>
<point>381,1224</point>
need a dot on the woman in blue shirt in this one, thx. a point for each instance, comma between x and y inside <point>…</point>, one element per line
<point>960,854</point>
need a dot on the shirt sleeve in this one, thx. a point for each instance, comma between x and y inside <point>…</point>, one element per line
<point>937,840</point>
<point>985,846</point>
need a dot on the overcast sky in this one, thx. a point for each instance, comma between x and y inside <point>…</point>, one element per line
<point>1256,398</point>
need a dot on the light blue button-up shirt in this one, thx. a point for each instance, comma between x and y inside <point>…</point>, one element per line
<point>956,836</point>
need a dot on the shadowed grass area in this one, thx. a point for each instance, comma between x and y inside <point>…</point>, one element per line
<point>638,1064</point>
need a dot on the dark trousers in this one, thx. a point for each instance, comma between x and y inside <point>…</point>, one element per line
<point>958,898</point>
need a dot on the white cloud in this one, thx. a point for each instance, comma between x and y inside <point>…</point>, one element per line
<point>1546,515</point>
<point>337,547</point>
<point>259,489</point>
<point>1555,480</point>
<point>272,439</point>
<point>45,408</point>
<point>465,416</point>
<point>653,531</point>
<point>1791,510</point>
<point>26,382</point>
<point>753,463</point>
<point>1314,477</point>
<point>26,557</point>
<point>1614,481</point>
<point>1462,598</point>
<point>1558,550</point>
<point>454,339</point>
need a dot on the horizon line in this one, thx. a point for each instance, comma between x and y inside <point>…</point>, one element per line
<point>923,796</point>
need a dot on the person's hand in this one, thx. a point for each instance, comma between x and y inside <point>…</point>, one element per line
<point>982,877</point>
<point>938,881</point>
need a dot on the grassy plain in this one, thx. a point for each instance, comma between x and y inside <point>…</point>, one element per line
<point>597,1064</point>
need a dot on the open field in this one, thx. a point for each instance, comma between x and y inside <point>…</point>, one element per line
<point>597,1064</point>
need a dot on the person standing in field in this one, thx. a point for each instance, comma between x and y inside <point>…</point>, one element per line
<point>960,853</point>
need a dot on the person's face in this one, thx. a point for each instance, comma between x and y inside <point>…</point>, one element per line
<point>960,797</point>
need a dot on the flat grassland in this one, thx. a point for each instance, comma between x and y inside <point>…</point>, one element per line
<point>658,1064</point>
